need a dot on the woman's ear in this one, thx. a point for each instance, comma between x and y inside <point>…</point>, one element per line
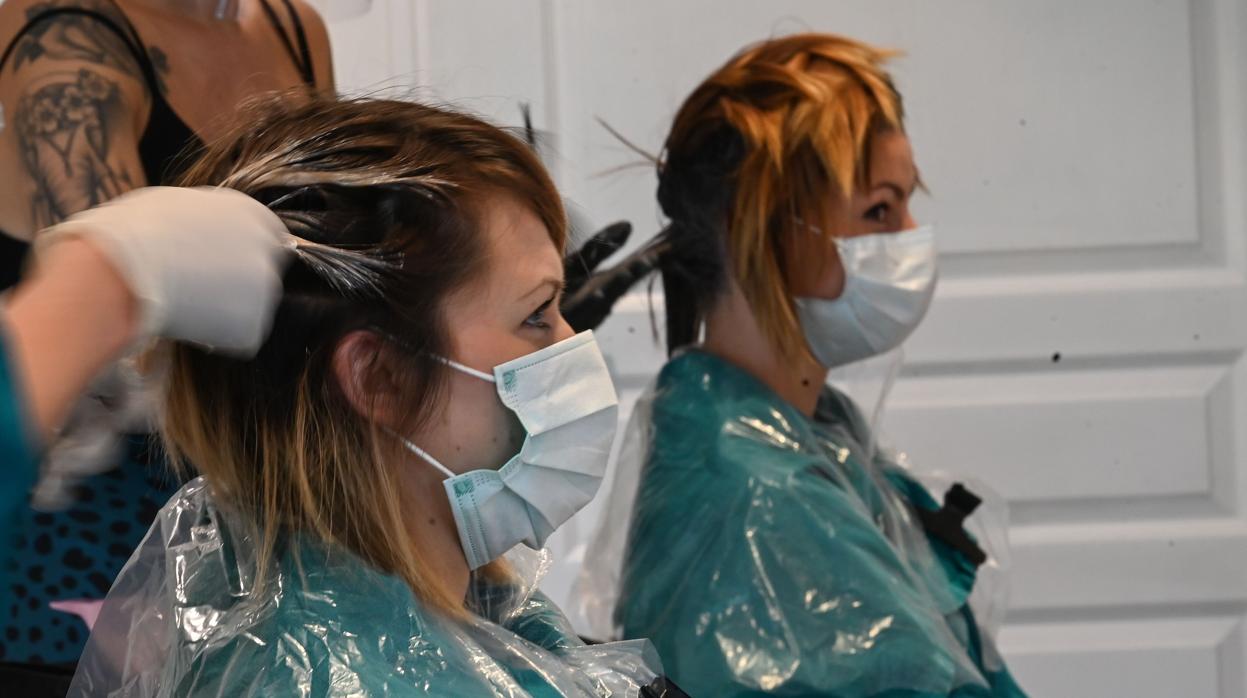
<point>363,364</point>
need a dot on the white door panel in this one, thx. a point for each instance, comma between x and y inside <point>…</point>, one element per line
<point>1088,175</point>
<point>1124,658</point>
<point>374,53</point>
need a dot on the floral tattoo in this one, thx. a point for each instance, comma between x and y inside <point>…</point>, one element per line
<point>64,132</point>
<point>67,120</point>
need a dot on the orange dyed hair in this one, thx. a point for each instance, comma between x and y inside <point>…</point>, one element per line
<point>791,121</point>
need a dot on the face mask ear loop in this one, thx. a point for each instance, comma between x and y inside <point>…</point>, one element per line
<point>467,369</point>
<point>449,362</point>
<point>422,453</point>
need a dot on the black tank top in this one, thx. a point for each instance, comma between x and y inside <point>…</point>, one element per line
<point>167,145</point>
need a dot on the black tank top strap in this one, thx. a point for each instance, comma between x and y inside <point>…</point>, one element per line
<point>298,49</point>
<point>309,70</point>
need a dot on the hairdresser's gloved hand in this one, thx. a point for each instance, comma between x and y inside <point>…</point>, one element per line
<point>204,264</point>
<point>590,294</point>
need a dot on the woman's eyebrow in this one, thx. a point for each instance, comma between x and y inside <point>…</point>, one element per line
<point>898,189</point>
<point>553,282</point>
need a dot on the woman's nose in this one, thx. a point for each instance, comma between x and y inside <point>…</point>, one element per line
<point>562,330</point>
<point>907,221</point>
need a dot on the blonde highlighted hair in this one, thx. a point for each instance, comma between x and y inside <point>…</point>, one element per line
<point>755,156</point>
<point>388,197</point>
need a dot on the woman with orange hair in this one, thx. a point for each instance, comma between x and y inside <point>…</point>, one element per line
<point>772,549</point>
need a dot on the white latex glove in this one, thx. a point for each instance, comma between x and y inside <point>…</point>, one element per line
<point>204,263</point>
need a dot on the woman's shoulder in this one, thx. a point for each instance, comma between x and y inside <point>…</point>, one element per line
<point>317,651</point>
<point>705,390</point>
<point>710,416</point>
<point>86,45</point>
<point>700,383</point>
<point>21,17</point>
<point>540,621</point>
<point>320,615</point>
<point>215,551</point>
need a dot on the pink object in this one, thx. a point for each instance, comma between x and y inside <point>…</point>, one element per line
<point>86,609</point>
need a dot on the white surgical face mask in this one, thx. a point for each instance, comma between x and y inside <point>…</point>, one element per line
<point>564,398</point>
<point>889,280</point>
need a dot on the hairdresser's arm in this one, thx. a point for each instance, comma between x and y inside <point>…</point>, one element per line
<point>61,326</point>
<point>195,265</point>
<point>192,265</point>
<point>65,323</point>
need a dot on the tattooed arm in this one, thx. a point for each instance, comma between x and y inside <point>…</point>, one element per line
<point>69,127</point>
<point>77,97</point>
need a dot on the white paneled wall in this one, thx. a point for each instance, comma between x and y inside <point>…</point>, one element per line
<point>1088,170</point>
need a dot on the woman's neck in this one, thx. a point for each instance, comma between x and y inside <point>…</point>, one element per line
<point>734,335</point>
<point>432,527</point>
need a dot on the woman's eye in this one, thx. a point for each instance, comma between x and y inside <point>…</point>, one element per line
<point>538,318</point>
<point>877,213</point>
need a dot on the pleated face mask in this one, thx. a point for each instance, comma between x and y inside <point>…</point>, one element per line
<point>565,401</point>
<point>889,280</point>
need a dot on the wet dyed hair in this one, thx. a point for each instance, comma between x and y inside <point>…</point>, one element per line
<point>754,157</point>
<point>388,198</point>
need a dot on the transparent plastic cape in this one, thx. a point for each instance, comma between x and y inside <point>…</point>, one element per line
<point>867,385</point>
<point>767,553</point>
<point>185,617</point>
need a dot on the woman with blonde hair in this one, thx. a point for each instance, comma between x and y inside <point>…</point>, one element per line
<point>772,549</point>
<point>420,409</point>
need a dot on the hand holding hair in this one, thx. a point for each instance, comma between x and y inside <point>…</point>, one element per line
<point>204,264</point>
